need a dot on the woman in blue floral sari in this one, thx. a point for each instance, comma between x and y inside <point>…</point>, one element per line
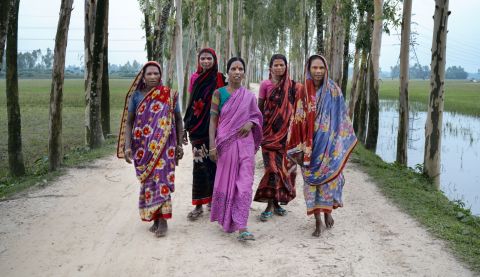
<point>320,140</point>
<point>150,134</point>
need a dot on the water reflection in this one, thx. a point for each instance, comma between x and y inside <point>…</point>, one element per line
<point>460,157</point>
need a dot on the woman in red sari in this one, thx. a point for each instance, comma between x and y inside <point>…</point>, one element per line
<point>150,134</point>
<point>275,100</point>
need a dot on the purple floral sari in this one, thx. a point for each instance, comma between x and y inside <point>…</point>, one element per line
<point>153,149</point>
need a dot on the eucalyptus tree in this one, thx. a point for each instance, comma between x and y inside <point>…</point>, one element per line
<point>373,103</point>
<point>433,125</point>
<point>15,154</point>
<point>56,93</point>
<point>4,8</point>
<point>402,137</point>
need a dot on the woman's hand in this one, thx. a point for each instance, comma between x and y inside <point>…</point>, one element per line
<point>185,137</point>
<point>298,158</point>
<point>128,155</point>
<point>178,153</point>
<point>212,154</point>
<point>245,130</point>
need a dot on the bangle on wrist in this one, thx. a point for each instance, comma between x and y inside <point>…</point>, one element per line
<point>213,149</point>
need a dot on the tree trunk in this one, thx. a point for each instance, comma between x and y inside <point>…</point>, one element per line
<point>402,138</point>
<point>356,57</point>
<point>335,53</point>
<point>15,155</point>
<point>171,60</point>
<point>4,8</point>
<point>105,102</point>
<point>305,47</point>
<point>148,30</point>
<point>359,120</point>
<point>162,22</point>
<point>433,126</point>
<point>218,33</point>
<point>89,10</point>
<point>179,49</point>
<point>93,128</point>
<point>319,22</point>
<point>187,66</point>
<point>346,60</point>
<point>56,93</point>
<point>231,44</point>
<point>373,113</point>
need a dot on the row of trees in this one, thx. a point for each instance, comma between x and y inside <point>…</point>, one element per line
<point>251,29</point>
<point>418,71</point>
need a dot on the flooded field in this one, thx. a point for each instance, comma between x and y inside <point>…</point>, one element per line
<point>460,157</point>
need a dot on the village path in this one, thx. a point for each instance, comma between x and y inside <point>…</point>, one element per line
<point>86,223</point>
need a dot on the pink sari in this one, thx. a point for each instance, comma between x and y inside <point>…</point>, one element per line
<point>232,195</point>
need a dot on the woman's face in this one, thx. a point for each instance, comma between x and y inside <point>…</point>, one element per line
<point>317,70</point>
<point>206,60</point>
<point>152,76</point>
<point>278,67</point>
<point>236,72</point>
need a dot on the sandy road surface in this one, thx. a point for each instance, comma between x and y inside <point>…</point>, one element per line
<point>87,224</point>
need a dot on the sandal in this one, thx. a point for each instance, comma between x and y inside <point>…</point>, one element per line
<point>280,211</point>
<point>264,216</point>
<point>194,215</point>
<point>244,236</point>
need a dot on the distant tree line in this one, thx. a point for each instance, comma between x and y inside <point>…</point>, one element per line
<point>419,71</point>
<point>38,64</point>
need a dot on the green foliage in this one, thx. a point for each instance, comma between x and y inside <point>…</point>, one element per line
<point>416,195</point>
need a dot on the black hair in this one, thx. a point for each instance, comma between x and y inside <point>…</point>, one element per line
<point>277,57</point>
<point>235,59</point>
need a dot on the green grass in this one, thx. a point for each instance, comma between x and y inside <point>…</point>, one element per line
<point>461,96</point>
<point>34,104</point>
<point>415,195</point>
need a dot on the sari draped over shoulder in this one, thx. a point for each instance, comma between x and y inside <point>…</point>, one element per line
<point>278,181</point>
<point>232,194</point>
<point>197,120</point>
<point>153,148</point>
<point>323,132</point>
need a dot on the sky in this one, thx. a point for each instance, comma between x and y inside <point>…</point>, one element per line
<point>38,22</point>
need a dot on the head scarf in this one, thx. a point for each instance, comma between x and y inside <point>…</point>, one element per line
<point>327,109</point>
<point>197,115</point>
<point>137,84</point>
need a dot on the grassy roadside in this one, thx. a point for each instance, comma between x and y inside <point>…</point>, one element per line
<point>415,195</point>
<point>38,174</point>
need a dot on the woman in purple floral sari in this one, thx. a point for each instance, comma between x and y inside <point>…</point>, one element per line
<point>150,134</point>
<point>235,135</point>
<point>320,140</point>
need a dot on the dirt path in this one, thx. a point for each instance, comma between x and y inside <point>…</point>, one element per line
<point>87,224</point>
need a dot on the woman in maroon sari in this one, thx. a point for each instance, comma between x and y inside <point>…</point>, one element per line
<point>275,100</point>
<point>197,118</point>
<point>150,134</point>
<point>235,135</point>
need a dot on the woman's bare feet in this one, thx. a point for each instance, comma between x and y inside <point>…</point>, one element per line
<point>154,226</point>
<point>162,228</point>
<point>328,220</point>
<point>318,225</point>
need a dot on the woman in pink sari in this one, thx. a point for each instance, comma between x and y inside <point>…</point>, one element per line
<point>235,136</point>
<point>150,133</point>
